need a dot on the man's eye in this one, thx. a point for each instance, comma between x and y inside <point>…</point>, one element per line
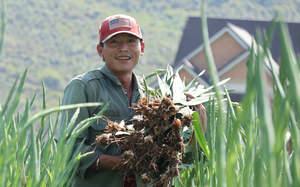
<point>113,41</point>
<point>132,40</point>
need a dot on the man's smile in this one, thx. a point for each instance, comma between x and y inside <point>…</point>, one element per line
<point>123,58</point>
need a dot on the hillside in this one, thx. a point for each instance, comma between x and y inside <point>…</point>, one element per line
<point>57,39</point>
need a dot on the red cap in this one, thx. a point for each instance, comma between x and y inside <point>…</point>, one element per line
<point>119,23</point>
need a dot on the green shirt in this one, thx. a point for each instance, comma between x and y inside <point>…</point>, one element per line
<point>99,86</point>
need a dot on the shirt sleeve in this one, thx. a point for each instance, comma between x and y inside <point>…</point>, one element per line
<point>74,93</point>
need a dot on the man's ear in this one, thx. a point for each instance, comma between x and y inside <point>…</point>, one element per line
<point>99,49</point>
<point>142,48</point>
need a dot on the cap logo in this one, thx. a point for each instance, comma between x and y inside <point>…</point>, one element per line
<point>119,22</point>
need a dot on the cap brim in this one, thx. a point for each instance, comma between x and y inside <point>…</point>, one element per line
<point>111,35</point>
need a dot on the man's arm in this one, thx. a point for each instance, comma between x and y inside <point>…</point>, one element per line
<point>75,93</point>
<point>104,162</point>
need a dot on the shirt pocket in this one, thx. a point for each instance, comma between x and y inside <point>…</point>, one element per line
<point>108,115</point>
<point>99,125</point>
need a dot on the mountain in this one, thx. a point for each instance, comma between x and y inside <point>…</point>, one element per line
<point>57,39</point>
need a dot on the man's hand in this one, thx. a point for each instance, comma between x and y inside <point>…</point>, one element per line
<point>111,162</point>
<point>201,112</point>
<point>108,162</point>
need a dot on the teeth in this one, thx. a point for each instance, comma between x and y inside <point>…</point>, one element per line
<point>123,58</point>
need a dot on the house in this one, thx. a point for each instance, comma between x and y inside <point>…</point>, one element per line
<point>230,41</point>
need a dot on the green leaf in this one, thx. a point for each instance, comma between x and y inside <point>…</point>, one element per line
<point>193,102</point>
<point>158,71</point>
<point>146,87</point>
<point>192,83</point>
<point>168,75</point>
<point>177,87</point>
<point>199,133</point>
<point>164,87</point>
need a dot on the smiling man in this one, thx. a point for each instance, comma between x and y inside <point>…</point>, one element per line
<point>121,45</point>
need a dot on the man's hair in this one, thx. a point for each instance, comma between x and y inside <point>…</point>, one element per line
<point>102,45</point>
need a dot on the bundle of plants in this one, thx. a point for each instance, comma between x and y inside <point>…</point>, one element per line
<point>162,126</point>
<point>153,147</point>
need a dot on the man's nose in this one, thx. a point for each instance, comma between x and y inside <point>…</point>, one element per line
<point>123,46</point>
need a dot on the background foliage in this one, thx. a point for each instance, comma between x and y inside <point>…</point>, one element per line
<point>57,39</point>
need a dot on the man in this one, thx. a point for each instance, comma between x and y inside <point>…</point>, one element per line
<point>121,45</point>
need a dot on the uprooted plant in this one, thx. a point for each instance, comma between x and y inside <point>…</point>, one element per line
<point>152,148</point>
<point>156,143</point>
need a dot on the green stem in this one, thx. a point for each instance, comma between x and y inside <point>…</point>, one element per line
<point>3,5</point>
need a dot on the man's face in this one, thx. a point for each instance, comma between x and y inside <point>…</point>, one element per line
<point>121,53</point>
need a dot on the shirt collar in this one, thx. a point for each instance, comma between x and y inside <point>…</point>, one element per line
<point>112,77</point>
